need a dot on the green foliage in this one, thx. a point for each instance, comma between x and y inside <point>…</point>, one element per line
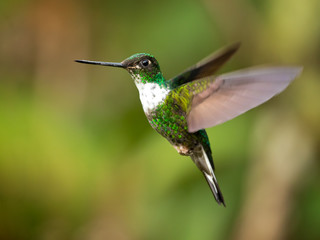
<point>78,159</point>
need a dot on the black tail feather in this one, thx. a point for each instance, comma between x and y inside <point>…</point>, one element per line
<point>202,161</point>
<point>215,189</point>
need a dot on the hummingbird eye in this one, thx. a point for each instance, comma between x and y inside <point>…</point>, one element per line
<point>145,62</point>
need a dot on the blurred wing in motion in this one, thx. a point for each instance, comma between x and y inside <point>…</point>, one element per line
<point>204,68</point>
<point>235,93</point>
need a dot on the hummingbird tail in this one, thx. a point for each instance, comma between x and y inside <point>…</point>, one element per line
<point>200,158</point>
<point>214,186</point>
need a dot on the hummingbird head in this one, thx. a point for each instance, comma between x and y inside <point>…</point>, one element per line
<point>143,68</point>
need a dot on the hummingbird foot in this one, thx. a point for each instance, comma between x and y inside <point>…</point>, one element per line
<point>183,150</point>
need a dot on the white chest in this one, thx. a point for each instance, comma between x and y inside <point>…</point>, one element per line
<point>151,95</point>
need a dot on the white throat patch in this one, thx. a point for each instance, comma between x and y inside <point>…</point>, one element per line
<point>151,95</point>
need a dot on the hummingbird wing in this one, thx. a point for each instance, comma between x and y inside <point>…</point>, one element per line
<point>215,102</point>
<point>204,68</point>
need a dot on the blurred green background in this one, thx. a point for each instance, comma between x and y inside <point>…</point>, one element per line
<point>78,159</point>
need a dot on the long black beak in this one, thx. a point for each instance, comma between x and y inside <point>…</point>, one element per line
<point>111,64</point>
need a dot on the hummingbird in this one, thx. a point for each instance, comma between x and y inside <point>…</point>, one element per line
<point>181,108</point>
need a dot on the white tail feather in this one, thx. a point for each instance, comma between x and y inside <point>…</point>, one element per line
<point>200,158</point>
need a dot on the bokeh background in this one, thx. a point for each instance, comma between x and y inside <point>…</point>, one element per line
<point>78,159</point>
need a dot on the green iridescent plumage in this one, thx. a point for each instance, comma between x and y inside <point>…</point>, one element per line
<point>180,108</point>
<point>168,107</point>
<point>167,104</point>
<point>146,75</point>
<point>170,119</point>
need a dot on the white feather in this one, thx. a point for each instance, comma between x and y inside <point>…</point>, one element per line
<point>235,93</point>
<point>151,95</point>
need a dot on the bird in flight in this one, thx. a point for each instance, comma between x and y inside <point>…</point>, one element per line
<point>181,108</point>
